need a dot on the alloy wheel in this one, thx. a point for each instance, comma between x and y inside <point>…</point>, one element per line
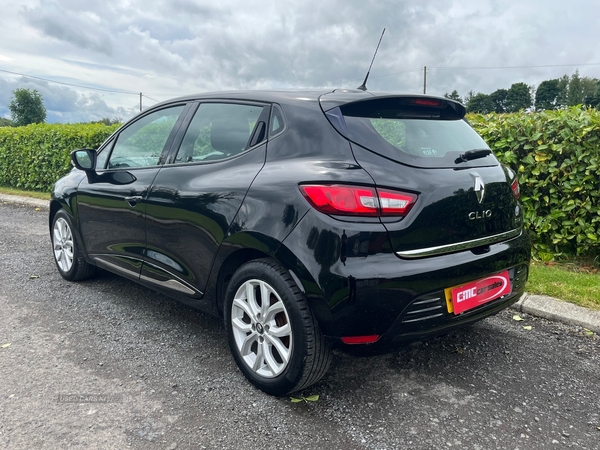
<point>261,328</point>
<point>63,244</point>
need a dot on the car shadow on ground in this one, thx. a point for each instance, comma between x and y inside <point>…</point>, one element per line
<point>459,357</point>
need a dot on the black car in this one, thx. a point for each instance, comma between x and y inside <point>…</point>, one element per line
<point>305,219</point>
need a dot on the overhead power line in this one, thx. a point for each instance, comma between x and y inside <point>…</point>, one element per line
<point>147,96</point>
<point>115,91</point>
<point>487,68</point>
<point>397,73</point>
<point>512,67</point>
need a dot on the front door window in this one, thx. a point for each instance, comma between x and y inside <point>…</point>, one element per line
<point>142,143</point>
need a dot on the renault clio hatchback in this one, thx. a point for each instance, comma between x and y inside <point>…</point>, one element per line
<point>305,219</point>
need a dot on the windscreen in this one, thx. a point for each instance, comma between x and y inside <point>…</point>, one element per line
<point>421,135</point>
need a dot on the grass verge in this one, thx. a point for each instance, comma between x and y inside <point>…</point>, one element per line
<point>32,194</point>
<point>573,281</point>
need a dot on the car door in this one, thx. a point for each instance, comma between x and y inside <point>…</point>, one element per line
<point>195,198</point>
<point>110,206</point>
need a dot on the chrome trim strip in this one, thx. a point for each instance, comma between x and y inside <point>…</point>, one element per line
<point>420,311</point>
<point>169,284</point>
<point>419,319</point>
<point>172,284</point>
<point>175,283</point>
<point>458,247</point>
<point>102,262</point>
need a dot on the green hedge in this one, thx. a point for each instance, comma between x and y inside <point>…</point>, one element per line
<point>35,156</point>
<point>557,157</point>
<point>555,153</point>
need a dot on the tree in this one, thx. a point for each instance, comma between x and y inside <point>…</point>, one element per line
<point>589,85</point>
<point>518,97</point>
<point>593,100</point>
<point>480,103</point>
<point>453,96</point>
<point>546,96</point>
<point>575,90</point>
<point>108,121</point>
<point>580,88</point>
<point>498,98</point>
<point>468,97</point>
<point>563,86</point>
<point>27,106</point>
<point>5,122</point>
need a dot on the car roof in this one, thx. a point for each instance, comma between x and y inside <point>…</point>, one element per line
<point>271,96</point>
<point>329,98</point>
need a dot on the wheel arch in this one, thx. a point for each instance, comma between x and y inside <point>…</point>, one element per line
<point>283,256</point>
<point>228,267</point>
<point>80,268</point>
<point>54,207</point>
<point>299,352</point>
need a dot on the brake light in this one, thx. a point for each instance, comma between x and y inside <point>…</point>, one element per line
<point>516,189</point>
<point>358,200</point>
<point>426,102</point>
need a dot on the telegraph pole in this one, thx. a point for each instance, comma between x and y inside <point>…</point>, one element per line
<point>140,102</point>
<point>424,81</point>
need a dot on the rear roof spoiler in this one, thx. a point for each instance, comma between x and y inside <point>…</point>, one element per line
<point>341,97</point>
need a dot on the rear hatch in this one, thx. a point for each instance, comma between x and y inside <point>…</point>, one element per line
<point>422,145</point>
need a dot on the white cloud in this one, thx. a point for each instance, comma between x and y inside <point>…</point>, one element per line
<point>166,49</point>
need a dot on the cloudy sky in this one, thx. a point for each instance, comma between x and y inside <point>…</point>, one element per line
<point>167,48</point>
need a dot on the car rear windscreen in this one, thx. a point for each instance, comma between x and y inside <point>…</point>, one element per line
<point>430,133</point>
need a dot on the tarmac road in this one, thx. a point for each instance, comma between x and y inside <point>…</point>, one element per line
<point>109,364</point>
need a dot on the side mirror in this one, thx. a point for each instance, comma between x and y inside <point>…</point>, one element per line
<point>84,159</point>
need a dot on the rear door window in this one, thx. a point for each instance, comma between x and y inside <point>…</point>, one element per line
<point>277,122</point>
<point>221,130</point>
<point>431,134</point>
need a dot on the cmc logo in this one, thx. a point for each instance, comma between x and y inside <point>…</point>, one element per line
<point>480,214</point>
<point>466,295</point>
<point>473,294</point>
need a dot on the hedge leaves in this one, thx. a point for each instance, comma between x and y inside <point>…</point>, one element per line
<point>557,157</point>
<point>35,156</point>
<point>555,153</point>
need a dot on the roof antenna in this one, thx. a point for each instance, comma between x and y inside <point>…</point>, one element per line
<point>363,87</point>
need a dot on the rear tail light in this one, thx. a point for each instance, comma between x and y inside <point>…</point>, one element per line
<point>395,203</point>
<point>358,200</point>
<point>516,189</point>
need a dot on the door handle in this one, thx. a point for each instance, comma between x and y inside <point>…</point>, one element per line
<point>134,200</point>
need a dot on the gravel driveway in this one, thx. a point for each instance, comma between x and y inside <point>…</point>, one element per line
<point>110,364</point>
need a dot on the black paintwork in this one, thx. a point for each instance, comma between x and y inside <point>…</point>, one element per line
<point>441,214</point>
<point>197,223</point>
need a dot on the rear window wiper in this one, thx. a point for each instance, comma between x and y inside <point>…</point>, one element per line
<point>473,154</point>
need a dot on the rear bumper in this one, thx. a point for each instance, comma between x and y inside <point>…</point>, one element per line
<point>414,324</point>
<point>401,300</point>
<point>427,316</point>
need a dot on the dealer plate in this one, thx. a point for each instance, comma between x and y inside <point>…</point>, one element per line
<point>471,295</point>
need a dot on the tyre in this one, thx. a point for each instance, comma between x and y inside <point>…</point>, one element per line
<point>67,251</point>
<point>274,338</point>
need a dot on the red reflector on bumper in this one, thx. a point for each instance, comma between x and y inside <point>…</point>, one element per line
<point>360,339</point>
